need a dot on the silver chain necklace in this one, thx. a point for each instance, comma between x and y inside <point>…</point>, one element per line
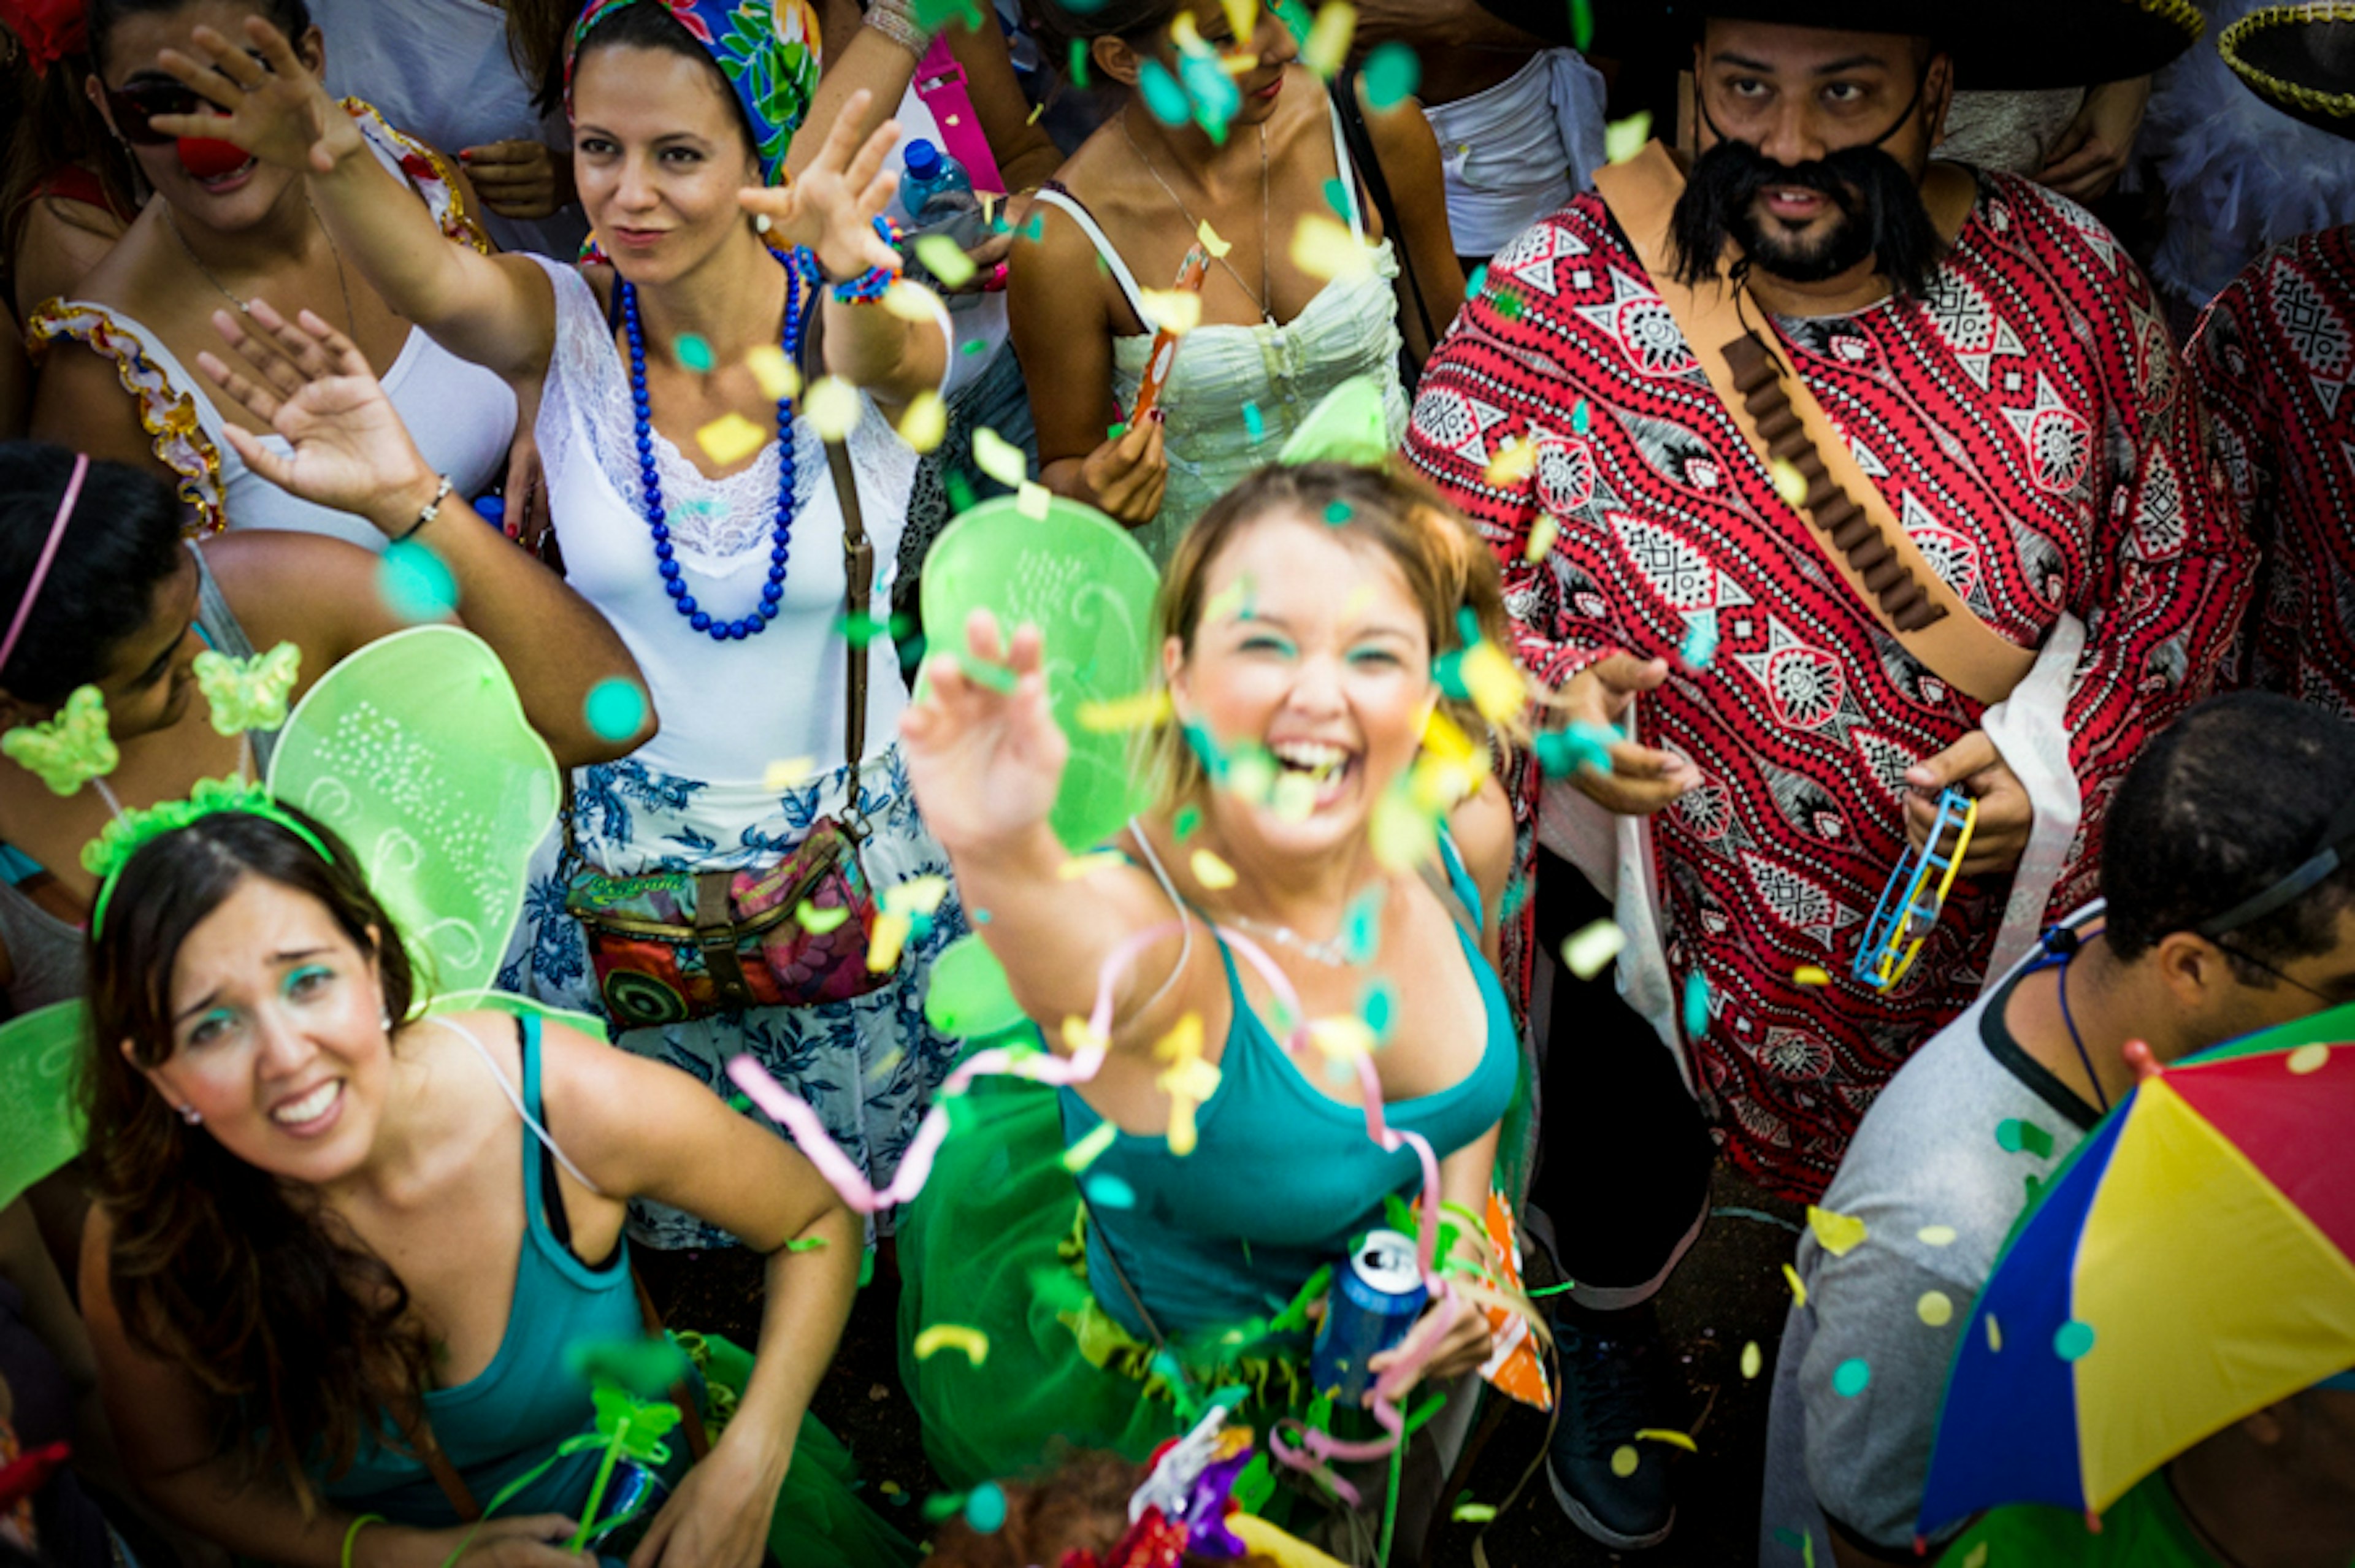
<point>1266,289</point>
<point>244,307</point>
<point>1333,953</point>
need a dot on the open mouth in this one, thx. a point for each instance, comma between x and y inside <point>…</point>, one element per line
<point>217,185</point>
<point>1311,776</point>
<point>313,1111</point>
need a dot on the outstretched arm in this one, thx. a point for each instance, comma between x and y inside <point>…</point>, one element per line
<point>352,453</point>
<point>497,310</point>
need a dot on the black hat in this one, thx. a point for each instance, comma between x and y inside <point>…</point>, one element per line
<point>2300,60</point>
<point>1996,44</point>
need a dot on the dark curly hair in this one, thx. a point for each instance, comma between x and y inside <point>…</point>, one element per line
<point>299,1332</point>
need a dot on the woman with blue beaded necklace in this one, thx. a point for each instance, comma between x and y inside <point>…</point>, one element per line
<point>722,567</point>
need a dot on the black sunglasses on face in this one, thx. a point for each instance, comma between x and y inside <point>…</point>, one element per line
<point>143,98</point>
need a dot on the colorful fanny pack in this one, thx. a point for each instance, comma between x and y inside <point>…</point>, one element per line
<point>673,946</point>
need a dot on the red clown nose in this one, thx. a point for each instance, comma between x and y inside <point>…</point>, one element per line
<point>206,159</point>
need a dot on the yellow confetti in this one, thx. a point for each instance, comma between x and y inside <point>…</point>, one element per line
<point>1343,1038</point>
<point>1976,1557</point>
<point>1210,241</point>
<point>912,301</point>
<point>884,940</point>
<point>1402,837</point>
<point>1591,950</point>
<point>1079,1040</point>
<point>1669,1436</point>
<point>818,921</point>
<point>1189,1081</point>
<point>791,774</point>
<point>731,439</point>
<point>1295,798</point>
<point>924,423</point>
<point>1542,533</point>
<point>999,458</point>
<point>890,1489</point>
<point>1810,975</point>
<point>1083,1154</point>
<point>1624,1459</point>
<point>944,260</point>
<point>2308,1059</point>
<point>1623,139</point>
<point>1789,483</point>
<point>1323,247</point>
<point>1242,17</point>
<point>1753,1361</point>
<point>1113,715</point>
<point>1186,34</point>
<point>1172,309</point>
<point>1034,501</point>
<point>1495,681</point>
<point>948,1336</point>
<point>1995,1336</point>
<point>1251,778</point>
<point>1936,1308</point>
<point>1935,1235</point>
<point>1327,44</point>
<point>778,378</point>
<point>1798,1286</point>
<point>1213,872</point>
<point>1838,1235</point>
<point>1510,468</point>
<point>1035,110</point>
<point>917,895</point>
<point>833,408</point>
<point>1079,866</point>
<point>1474,1513</point>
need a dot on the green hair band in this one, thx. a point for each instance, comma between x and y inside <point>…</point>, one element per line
<point>106,855</point>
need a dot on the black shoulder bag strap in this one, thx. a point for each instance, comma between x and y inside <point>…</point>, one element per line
<point>1360,139</point>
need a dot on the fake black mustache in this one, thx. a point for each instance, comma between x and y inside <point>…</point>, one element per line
<point>1887,220</point>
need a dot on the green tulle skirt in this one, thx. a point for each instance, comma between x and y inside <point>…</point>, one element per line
<point>819,1521</point>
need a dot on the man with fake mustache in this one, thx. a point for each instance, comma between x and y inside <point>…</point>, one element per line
<point>1838,479</point>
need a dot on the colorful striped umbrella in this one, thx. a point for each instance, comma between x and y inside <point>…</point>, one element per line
<point>2192,1263</point>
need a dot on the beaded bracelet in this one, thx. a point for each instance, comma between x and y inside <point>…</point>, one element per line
<point>868,287</point>
<point>352,1533</point>
<point>896,20</point>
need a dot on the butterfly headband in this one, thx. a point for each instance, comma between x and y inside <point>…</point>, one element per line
<point>106,855</point>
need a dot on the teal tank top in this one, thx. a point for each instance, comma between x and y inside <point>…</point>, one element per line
<point>1283,1175</point>
<point>496,1427</point>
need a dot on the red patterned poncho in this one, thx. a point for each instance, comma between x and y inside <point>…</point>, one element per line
<point>2275,359</point>
<point>2025,421</point>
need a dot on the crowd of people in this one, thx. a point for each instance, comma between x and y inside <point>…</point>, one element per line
<point>1747,591</point>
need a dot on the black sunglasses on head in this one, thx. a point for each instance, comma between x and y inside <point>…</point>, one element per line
<point>144,98</point>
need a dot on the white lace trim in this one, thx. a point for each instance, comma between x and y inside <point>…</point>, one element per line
<point>720,524</point>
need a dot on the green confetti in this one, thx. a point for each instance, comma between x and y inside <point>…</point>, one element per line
<point>932,16</point>
<point>942,1507</point>
<point>1078,72</point>
<point>1188,818</point>
<point>1508,307</point>
<point>694,354</point>
<point>862,629</point>
<point>981,672</point>
<point>2017,1136</point>
<point>960,492</point>
<point>1114,432</point>
<point>1391,74</point>
<point>973,345</point>
<point>1581,25</point>
<point>806,1244</point>
<point>643,1366</point>
<point>1850,1378</point>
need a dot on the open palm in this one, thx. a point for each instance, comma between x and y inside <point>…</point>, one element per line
<point>274,108</point>
<point>831,206</point>
<point>351,450</point>
<point>984,762</point>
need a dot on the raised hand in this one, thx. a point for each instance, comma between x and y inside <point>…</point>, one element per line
<point>276,108</point>
<point>351,451</point>
<point>986,762</point>
<point>831,206</point>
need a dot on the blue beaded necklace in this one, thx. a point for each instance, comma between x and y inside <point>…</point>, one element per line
<point>780,538</point>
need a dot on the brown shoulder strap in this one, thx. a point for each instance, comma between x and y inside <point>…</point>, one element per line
<point>858,573</point>
<point>1849,520</point>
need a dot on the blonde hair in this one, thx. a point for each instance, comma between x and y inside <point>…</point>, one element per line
<point>1447,567</point>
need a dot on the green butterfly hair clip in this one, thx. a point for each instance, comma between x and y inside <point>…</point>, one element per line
<point>248,694</point>
<point>69,750</point>
<point>106,855</point>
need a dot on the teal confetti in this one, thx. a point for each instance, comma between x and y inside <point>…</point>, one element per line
<point>1695,1005</point>
<point>2072,1339</point>
<point>984,1508</point>
<point>982,673</point>
<point>1516,894</point>
<point>1391,74</point>
<point>1337,512</point>
<point>694,354</point>
<point>1361,928</point>
<point>1110,1192</point>
<point>1336,197</point>
<point>1214,97</point>
<point>416,584</point>
<point>1254,424</point>
<point>1476,282</point>
<point>1700,650</point>
<point>1582,417</point>
<point>616,708</point>
<point>2017,1136</point>
<point>1380,1007</point>
<point>979,916</point>
<point>1033,227</point>
<point>1581,744</point>
<point>1163,98</point>
<point>1850,1378</point>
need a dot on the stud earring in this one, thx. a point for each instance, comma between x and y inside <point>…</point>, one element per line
<point>762,223</point>
<point>384,1020</point>
<point>191,1115</point>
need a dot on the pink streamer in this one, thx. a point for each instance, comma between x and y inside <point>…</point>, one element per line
<point>916,1167</point>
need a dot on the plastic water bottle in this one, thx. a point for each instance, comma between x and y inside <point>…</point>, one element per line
<point>937,195</point>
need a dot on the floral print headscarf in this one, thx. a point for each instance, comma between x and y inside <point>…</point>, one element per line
<point>768,50</point>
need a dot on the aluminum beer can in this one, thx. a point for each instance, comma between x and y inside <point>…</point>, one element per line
<point>1377,1295</point>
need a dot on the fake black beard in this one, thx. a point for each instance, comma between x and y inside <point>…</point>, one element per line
<point>1882,218</point>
